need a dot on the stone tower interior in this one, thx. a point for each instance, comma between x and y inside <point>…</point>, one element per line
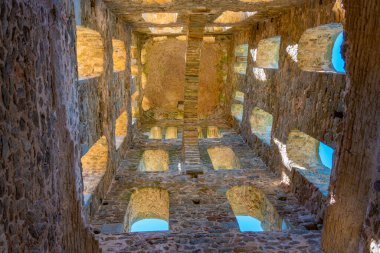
<point>190,126</point>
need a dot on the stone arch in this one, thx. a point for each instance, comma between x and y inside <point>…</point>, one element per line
<point>119,55</point>
<point>147,203</point>
<point>261,124</point>
<point>251,201</point>
<point>155,133</point>
<point>268,53</point>
<point>304,152</point>
<point>319,49</point>
<point>213,132</point>
<point>90,53</point>
<point>223,158</point>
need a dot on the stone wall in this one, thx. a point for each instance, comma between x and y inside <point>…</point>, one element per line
<point>102,99</point>
<point>40,175</point>
<point>352,220</point>
<point>163,73</point>
<point>307,101</point>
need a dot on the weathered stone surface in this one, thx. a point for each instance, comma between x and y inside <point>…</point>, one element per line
<point>41,190</point>
<point>315,47</point>
<point>352,220</point>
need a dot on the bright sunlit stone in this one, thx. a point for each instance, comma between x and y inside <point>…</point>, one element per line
<point>230,17</point>
<point>292,51</point>
<point>164,30</point>
<point>160,18</point>
<point>150,225</point>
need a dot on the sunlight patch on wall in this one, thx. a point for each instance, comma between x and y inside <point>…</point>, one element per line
<point>94,165</point>
<point>292,51</point>
<point>261,124</point>
<point>165,30</point>
<point>152,2</point>
<point>223,158</point>
<point>231,17</point>
<point>217,29</point>
<point>160,18</point>
<point>239,96</point>
<point>90,52</point>
<point>119,55</point>
<point>209,39</point>
<point>121,129</point>
<point>254,54</point>
<point>149,206</point>
<point>259,74</point>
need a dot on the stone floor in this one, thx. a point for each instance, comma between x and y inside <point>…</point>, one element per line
<point>200,216</point>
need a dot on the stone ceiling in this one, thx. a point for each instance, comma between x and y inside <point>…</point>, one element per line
<point>131,11</point>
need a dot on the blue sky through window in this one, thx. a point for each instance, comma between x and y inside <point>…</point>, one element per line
<point>150,225</point>
<point>337,59</point>
<point>249,223</point>
<point>326,154</point>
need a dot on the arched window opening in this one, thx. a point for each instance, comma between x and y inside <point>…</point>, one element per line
<point>311,157</point>
<point>253,211</point>
<point>90,53</point>
<point>171,133</point>
<point>223,158</point>
<point>94,166</point>
<point>155,133</point>
<point>119,55</point>
<point>261,124</point>
<point>154,161</point>
<point>237,111</point>
<point>213,132</point>
<point>148,211</point>
<point>121,129</point>
<point>320,49</point>
<point>337,58</point>
<point>268,51</point>
<point>241,54</point>
<point>326,155</point>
